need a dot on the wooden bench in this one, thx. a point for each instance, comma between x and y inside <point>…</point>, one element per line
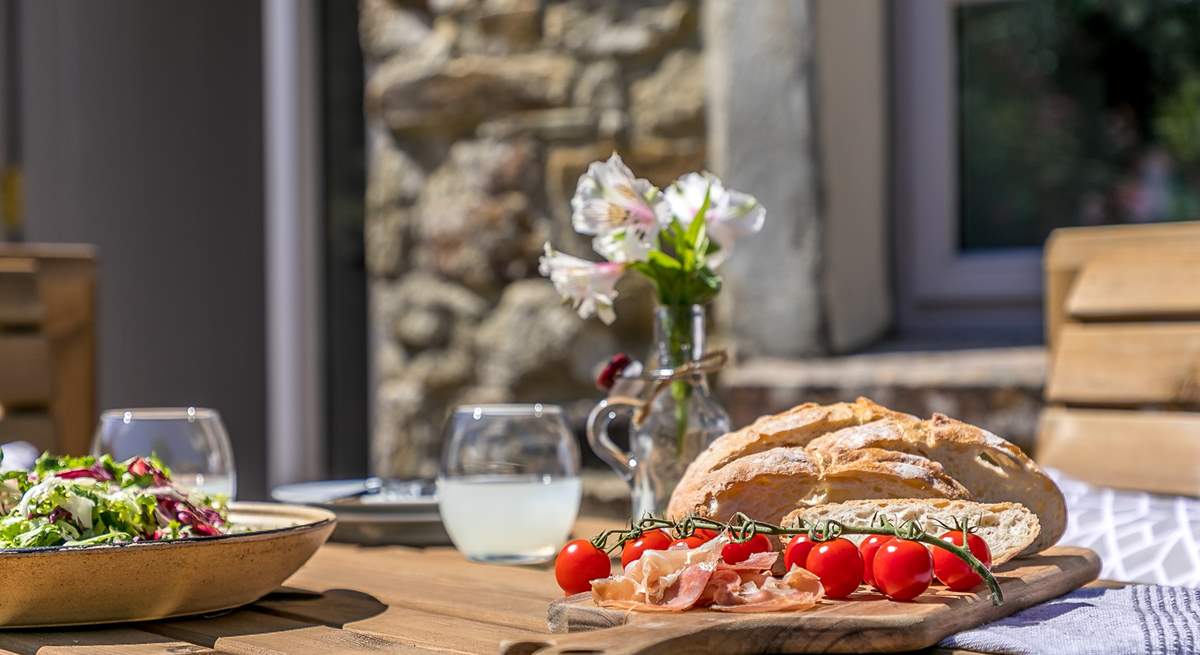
<point>48,345</point>
<point>1123,329</point>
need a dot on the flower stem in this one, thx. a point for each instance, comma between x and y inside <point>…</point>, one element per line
<point>678,352</point>
<point>681,392</point>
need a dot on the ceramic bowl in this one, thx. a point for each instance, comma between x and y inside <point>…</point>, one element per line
<point>61,586</point>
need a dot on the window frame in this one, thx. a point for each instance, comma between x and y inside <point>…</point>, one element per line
<point>939,287</point>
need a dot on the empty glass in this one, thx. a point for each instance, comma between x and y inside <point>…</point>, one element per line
<point>509,486</point>
<point>191,441</point>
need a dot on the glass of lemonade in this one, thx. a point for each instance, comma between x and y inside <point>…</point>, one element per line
<point>509,486</point>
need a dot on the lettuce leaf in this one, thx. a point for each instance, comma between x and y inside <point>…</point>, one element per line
<point>83,501</point>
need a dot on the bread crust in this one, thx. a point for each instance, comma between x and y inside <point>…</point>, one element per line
<point>794,427</point>
<point>862,450</point>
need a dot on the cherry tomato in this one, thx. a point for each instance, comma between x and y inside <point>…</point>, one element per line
<point>733,553</point>
<point>577,564</point>
<point>903,569</point>
<point>868,547</point>
<point>694,541</point>
<point>796,551</point>
<point>838,564</point>
<point>705,534</point>
<point>653,540</point>
<point>952,571</point>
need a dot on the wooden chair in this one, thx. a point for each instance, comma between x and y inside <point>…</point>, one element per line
<point>48,345</point>
<point>1123,330</point>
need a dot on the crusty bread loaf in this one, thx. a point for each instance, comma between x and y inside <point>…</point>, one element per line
<point>992,469</point>
<point>1008,528</point>
<point>769,484</point>
<point>861,450</point>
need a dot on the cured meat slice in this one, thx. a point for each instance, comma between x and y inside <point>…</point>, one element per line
<point>764,561</point>
<point>680,578</point>
<point>722,588</point>
<point>756,568</point>
<point>797,590</point>
<point>669,580</point>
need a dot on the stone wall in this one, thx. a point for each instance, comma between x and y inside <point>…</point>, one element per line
<point>483,114</point>
<point>999,389</point>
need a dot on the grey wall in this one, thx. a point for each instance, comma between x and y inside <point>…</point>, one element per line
<point>143,135</point>
<point>797,117</point>
<point>763,138</point>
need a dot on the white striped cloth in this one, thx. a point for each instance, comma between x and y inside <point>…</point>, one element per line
<point>1140,537</point>
<point>1138,619</point>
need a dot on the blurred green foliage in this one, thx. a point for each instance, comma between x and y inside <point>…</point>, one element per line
<point>1076,112</point>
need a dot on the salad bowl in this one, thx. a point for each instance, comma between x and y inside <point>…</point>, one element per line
<point>109,583</point>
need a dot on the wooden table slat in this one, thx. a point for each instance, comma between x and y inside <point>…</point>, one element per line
<point>99,641</point>
<point>247,632</point>
<point>511,597</point>
<point>434,631</point>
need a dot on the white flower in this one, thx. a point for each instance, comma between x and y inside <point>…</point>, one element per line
<point>731,214</point>
<point>590,287</point>
<point>622,212</point>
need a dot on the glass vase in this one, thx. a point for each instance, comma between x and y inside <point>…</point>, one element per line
<point>671,424</point>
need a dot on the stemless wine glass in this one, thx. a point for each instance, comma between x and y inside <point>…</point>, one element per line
<point>191,441</point>
<point>509,485</point>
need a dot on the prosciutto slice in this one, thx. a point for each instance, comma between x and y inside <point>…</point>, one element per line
<point>755,569</point>
<point>671,580</point>
<point>756,562</point>
<point>680,578</point>
<point>797,590</point>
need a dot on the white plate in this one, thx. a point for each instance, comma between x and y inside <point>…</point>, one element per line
<point>411,496</point>
<point>403,513</point>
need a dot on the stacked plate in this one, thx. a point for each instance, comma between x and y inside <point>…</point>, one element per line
<point>374,511</point>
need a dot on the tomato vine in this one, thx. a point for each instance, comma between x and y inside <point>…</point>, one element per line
<point>742,528</point>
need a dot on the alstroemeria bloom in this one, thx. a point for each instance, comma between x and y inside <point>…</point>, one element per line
<point>590,287</point>
<point>624,213</point>
<point>731,214</point>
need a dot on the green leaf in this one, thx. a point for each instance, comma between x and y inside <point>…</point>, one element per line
<point>677,230</point>
<point>105,538</point>
<point>701,248</point>
<point>702,286</point>
<point>663,260</point>
<point>697,228</point>
<point>21,478</point>
<point>48,463</point>
<point>644,268</point>
<point>158,463</point>
<point>658,276</point>
<point>695,239</point>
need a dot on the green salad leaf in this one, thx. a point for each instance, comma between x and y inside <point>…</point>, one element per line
<point>87,501</point>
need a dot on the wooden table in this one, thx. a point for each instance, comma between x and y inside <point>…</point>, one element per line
<point>347,599</point>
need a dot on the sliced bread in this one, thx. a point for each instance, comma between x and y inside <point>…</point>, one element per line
<point>847,445</point>
<point>992,469</point>
<point>766,485</point>
<point>1008,528</point>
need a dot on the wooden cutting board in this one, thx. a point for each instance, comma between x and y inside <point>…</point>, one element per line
<point>864,623</point>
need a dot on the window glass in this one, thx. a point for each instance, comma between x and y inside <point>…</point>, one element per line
<point>1075,112</point>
